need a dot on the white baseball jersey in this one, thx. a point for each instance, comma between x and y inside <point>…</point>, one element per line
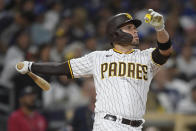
<point>121,80</point>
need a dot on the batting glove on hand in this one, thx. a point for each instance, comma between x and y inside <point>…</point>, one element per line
<point>157,20</point>
<point>24,67</point>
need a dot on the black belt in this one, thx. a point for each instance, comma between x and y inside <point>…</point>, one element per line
<point>134,123</point>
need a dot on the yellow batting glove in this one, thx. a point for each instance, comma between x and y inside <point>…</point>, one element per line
<point>155,19</point>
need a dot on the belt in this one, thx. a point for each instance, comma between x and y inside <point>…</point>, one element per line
<point>133,123</point>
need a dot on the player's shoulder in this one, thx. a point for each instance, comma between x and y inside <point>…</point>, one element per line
<point>103,51</point>
<point>100,53</point>
<point>149,50</point>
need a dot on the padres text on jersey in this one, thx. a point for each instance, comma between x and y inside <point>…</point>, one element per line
<point>122,69</point>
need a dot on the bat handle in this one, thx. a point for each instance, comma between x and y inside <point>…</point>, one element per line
<point>20,65</point>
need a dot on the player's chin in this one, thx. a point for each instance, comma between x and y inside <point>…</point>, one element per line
<point>135,42</point>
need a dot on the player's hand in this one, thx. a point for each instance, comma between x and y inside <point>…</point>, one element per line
<point>24,67</point>
<point>156,20</point>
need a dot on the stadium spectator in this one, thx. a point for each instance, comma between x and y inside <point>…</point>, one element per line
<point>59,48</point>
<point>15,53</point>
<point>44,52</point>
<point>188,104</point>
<point>52,16</point>
<point>28,5</point>
<point>74,50</point>
<point>40,34</point>
<point>186,62</point>
<point>26,118</point>
<point>63,95</point>
<point>90,45</point>
<point>170,88</point>
<point>81,27</point>
<point>101,35</point>
<point>20,20</point>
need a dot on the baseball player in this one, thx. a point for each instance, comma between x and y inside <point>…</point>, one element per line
<point>122,75</point>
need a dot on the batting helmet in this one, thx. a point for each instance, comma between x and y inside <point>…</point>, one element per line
<point>113,31</point>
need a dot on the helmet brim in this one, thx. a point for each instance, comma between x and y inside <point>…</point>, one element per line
<point>136,22</point>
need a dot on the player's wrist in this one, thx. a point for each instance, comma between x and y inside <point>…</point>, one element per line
<point>160,28</point>
<point>29,66</point>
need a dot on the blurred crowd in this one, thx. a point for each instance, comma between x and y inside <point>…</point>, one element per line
<point>58,30</point>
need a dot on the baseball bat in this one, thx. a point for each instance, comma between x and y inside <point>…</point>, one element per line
<point>148,18</point>
<point>43,84</point>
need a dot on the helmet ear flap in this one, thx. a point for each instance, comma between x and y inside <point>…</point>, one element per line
<point>122,37</point>
<point>115,35</point>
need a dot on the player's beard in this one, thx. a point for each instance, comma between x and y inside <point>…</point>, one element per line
<point>135,42</point>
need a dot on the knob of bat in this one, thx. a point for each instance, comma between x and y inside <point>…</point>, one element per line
<point>20,65</point>
<point>148,18</point>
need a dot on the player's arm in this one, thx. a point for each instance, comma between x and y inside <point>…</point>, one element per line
<point>74,68</point>
<point>164,43</point>
<point>161,54</point>
<point>50,68</point>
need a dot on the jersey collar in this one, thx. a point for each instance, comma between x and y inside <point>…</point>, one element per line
<point>129,52</point>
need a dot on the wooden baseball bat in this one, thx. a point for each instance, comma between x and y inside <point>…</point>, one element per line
<point>43,84</point>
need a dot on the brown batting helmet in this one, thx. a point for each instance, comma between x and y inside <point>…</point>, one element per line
<point>113,31</point>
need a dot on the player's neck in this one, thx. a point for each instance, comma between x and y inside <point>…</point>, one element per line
<point>123,48</point>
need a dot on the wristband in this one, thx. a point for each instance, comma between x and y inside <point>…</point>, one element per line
<point>164,46</point>
<point>29,66</point>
